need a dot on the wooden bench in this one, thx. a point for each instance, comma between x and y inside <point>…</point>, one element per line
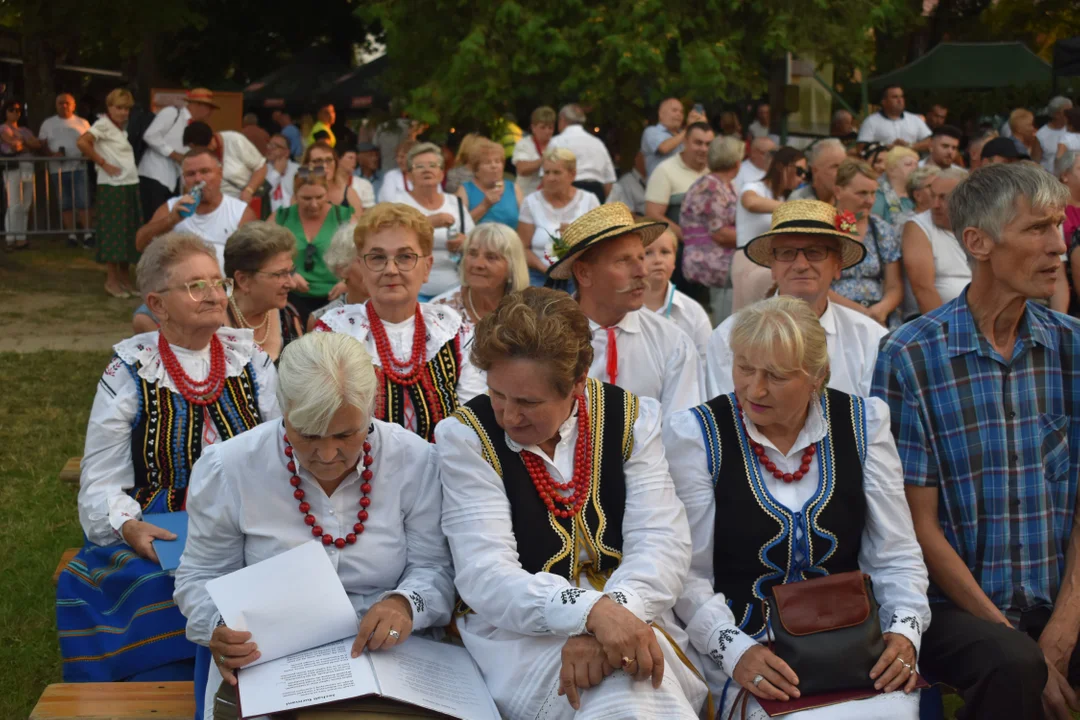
<point>116,701</point>
<point>70,472</point>
<point>65,558</point>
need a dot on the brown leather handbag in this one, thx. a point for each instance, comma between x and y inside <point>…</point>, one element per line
<point>828,631</point>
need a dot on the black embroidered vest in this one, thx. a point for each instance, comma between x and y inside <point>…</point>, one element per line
<point>166,435</point>
<point>444,370</point>
<point>550,544</point>
<point>757,542</point>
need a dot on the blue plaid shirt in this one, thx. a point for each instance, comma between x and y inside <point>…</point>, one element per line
<point>1000,439</point>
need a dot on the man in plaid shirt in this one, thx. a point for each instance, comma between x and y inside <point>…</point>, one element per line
<point>985,399</point>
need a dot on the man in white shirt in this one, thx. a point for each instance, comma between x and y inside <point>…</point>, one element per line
<point>944,147</point>
<point>936,267</point>
<point>159,168</point>
<point>892,125</point>
<point>1050,134</point>
<point>280,172</point>
<point>243,167</point>
<point>673,177</point>
<point>662,140</point>
<point>67,179</point>
<point>754,167</point>
<point>595,171</point>
<point>633,347</point>
<point>805,257</point>
<point>760,127</point>
<point>529,149</point>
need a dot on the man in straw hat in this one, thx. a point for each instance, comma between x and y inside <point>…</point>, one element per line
<point>641,352</point>
<point>159,168</point>
<point>806,248</point>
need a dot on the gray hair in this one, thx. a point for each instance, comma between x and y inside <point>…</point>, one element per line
<point>165,252</point>
<point>1058,104</point>
<point>783,335</point>
<point>342,250</point>
<point>725,153</point>
<point>424,148</point>
<point>254,244</point>
<point>820,147</point>
<point>320,373</point>
<point>953,173</point>
<point>1065,163</point>
<point>505,241</point>
<point>572,114</point>
<point>921,175</point>
<point>987,199</point>
<point>562,155</point>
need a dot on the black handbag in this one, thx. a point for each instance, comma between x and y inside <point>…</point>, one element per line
<point>828,631</point>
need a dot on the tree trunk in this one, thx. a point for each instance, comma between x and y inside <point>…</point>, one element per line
<point>39,76</point>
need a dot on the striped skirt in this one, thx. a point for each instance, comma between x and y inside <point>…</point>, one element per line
<point>117,619</point>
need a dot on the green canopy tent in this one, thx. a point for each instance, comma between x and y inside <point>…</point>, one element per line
<point>971,66</point>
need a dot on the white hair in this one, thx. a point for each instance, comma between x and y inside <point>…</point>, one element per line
<point>573,114</point>
<point>819,148</point>
<point>504,240</point>
<point>342,250</point>
<point>320,373</point>
<point>725,153</point>
<point>1058,104</point>
<point>953,173</point>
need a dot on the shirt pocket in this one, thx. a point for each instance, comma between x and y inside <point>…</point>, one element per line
<point>1054,438</point>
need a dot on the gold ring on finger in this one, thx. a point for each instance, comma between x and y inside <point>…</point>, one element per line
<point>627,662</point>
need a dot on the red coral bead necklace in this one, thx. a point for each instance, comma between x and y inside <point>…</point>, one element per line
<point>550,491</point>
<point>770,466</point>
<point>199,392</point>
<point>305,508</point>
<point>415,368</point>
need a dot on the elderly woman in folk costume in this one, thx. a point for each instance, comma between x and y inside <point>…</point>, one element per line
<point>164,398</point>
<point>569,543</point>
<point>368,490</point>
<point>785,480</point>
<point>420,350</point>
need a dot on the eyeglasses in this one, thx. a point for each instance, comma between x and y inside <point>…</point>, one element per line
<point>814,253</point>
<point>199,290</point>
<point>321,161</point>
<point>308,172</point>
<point>280,275</point>
<point>800,172</point>
<point>376,262</point>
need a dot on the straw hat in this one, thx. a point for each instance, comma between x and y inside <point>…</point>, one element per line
<point>806,217</point>
<point>595,226</point>
<point>204,96</point>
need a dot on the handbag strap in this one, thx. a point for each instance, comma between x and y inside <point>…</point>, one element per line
<point>744,698</point>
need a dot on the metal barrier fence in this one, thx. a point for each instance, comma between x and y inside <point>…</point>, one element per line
<point>43,196</point>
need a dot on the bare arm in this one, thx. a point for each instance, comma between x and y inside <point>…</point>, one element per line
<point>946,569</point>
<point>607,188</point>
<point>658,211</point>
<point>1058,638</point>
<point>922,146</point>
<point>839,299</point>
<point>248,216</point>
<point>525,232</point>
<point>162,222</point>
<point>724,237</point>
<point>757,204</point>
<point>671,143</point>
<point>85,143</point>
<point>477,212</point>
<point>528,167</point>
<point>256,181</point>
<point>892,287</point>
<point>918,261</point>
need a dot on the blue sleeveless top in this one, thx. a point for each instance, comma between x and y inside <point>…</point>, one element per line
<point>505,211</point>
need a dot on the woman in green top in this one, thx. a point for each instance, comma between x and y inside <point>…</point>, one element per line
<point>313,221</point>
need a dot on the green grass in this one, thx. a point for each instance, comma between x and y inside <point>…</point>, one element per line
<point>46,402</point>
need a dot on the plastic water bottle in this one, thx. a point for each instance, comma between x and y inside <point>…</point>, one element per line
<point>196,192</point>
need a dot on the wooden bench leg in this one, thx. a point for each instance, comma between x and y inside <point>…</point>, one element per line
<point>70,472</point>
<point>67,556</point>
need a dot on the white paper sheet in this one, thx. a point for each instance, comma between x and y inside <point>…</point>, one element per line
<point>321,675</point>
<point>289,603</point>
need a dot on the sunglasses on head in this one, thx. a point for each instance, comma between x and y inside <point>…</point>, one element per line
<point>308,171</point>
<point>800,172</point>
<point>309,258</point>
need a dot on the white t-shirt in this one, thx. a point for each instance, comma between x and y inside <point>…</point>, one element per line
<point>951,269</point>
<point>444,270</point>
<point>908,127</point>
<point>393,187</point>
<point>748,173</point>
<point>548,220</point>
<point>61,134</point>
<point>240,160</point>
<point>1049,138</point>
<point>593,161</point>
<point>1071,141</point>
<point>281,184</point>
<point>215,227</point>
<point>525,150</point>
<point>111,143</point>
<point>748,225</point>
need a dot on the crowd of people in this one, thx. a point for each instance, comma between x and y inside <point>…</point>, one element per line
<point>593,423</point>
